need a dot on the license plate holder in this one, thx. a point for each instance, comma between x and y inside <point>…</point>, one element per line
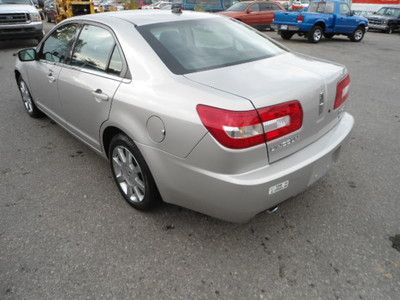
<point>284,27</point>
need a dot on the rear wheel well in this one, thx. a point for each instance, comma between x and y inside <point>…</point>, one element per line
<point>320,24</point>
<point>108,134</point>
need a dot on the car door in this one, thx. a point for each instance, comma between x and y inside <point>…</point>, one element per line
<point>53,53</point>
<point>267,12</point>
<point>88,84</point>
<point>253,15</point>
<point>345,23</point>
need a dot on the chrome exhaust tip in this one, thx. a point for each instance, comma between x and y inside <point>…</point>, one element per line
<point>273,209</point>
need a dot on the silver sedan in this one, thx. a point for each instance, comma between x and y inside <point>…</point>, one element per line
<point>190,108</point>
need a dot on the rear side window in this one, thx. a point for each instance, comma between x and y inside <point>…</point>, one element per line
<point>93,48</point>
<point>322,7</point>
<point>254,7</point>
<point>116,65</point>
<point>58,45</point>
<point>265,6</point>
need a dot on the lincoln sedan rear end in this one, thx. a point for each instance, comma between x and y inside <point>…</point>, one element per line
<point>194,109</point>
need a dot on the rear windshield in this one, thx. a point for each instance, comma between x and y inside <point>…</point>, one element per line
<point>195,45</point>
<point>322,7</point>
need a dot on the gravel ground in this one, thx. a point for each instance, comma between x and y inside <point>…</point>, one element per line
<point>66,233</point>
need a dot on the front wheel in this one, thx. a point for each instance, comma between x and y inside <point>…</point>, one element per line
<point>29,104</point>
<point>286,35</point>
<point>390,29</point>
<point>131,173</point>
<point>357,35</point>
<point>315,34</point>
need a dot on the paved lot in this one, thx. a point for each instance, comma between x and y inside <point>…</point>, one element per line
<point>66,233</point>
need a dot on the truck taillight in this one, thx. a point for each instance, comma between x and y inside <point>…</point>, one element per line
<point>300,19</point>
<point>342,91</point>
<point>244,129</point>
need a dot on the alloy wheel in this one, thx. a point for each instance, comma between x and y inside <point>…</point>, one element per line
<point>128,174</point>
<point>317,34</point>
<point>26,97</point>
<point>358,34</point>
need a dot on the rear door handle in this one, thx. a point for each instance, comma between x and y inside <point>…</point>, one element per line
<point>99,95</point>
<point>50,76</point>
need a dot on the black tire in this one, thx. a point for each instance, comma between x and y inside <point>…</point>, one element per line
<point>286,35</point>
<point>358,34</point>
<point>151,196</point>
<point>30,108</point>
<point>329,35</point>
<point>315,34</point>
<point>390,29</point>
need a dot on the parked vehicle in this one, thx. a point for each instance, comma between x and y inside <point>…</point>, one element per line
<point>386,19</point>
<point>259,14</point>
<point>300,4</point>
<point>323,18</point>
<point>50,11</point>
<point>20,19</point>
<point>193,108</point>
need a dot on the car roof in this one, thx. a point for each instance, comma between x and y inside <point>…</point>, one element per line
<point>145,17</point>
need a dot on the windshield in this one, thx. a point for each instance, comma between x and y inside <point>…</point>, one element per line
<point>238,7</point>
<point>389,11</point>
<point>196,45</point>
<point>26,2</point>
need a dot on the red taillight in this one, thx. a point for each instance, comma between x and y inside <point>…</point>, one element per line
<point>342,91</point>
<point>281,119</point>
<point>300,19</point>
<point>244,129</point>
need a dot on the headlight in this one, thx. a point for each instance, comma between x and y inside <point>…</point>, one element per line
<point>35,17</point>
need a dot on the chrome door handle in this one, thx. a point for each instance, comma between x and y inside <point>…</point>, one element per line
<point>50,77</point>
<point>99,95</point>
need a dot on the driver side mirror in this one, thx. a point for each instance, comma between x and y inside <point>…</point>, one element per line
<point>352,13</point>
<point>27,55</point>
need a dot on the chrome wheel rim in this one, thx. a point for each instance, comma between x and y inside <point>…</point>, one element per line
<point>128,174</point>
<point>317,35</point>
<point>358,34</point>
<point>26,97</point>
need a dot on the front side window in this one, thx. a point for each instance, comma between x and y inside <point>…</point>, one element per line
<point>93,48</point>
<point>344,9</point>
<point>58,45</point>
<point>195,45</point>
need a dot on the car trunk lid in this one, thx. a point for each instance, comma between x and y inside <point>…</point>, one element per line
<point>279,79</point>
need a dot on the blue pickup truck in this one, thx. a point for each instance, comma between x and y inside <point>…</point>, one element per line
<point>322,18</point>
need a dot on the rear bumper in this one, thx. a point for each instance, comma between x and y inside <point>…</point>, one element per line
<point>285,27</point>
<point>21,31</point>
<point>239,197</point>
